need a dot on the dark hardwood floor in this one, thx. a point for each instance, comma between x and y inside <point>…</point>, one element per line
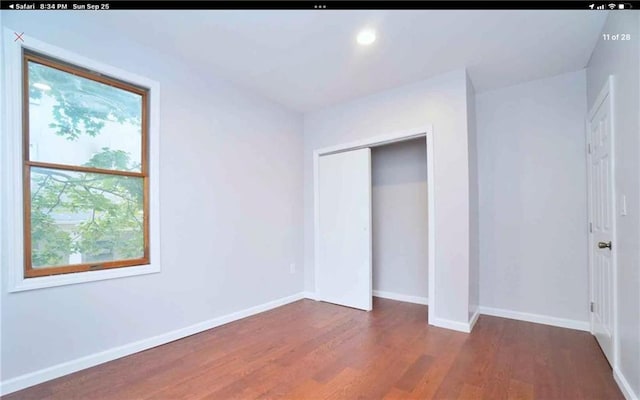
<point>313,350</point>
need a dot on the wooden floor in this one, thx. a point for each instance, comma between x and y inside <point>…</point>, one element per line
<point>313,350</point>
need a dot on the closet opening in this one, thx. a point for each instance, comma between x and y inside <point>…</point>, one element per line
<point>374,229</point>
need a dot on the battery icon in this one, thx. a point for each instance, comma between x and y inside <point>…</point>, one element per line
<point>621,6</point>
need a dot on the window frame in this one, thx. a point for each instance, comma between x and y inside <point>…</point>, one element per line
<point>30,272</point>
<point>15,175</point>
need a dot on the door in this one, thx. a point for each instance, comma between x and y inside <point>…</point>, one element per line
<point>602,222</point>
<point>344,229</point>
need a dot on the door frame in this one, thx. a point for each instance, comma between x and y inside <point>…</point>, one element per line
<point>425,131</point>
<point>606,93</point>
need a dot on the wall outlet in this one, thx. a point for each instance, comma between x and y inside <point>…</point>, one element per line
<point>292,268</point>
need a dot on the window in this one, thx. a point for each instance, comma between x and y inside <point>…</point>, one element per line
<point>79,163</point>
<point>85,169</point>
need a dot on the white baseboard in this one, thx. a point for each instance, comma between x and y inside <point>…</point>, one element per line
<point>624,385</point>
<point>310,295</point>
<point>401,297</point>
<point>384,295</point>
<point>56,371</point>
<point>450,324</point>
<point>537,318</point>
<point>474,319</point>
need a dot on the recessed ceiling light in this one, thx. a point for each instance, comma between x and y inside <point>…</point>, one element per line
<point>42,86</point>
<point>366,37</point>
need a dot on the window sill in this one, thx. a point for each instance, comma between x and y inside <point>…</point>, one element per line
<point>24,284</point>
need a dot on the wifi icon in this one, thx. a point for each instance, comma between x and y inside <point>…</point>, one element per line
<point>612,6</point>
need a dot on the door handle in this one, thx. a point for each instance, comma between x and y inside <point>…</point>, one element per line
<point>604,245</point>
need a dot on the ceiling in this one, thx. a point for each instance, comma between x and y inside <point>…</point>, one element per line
<point>307,60</point>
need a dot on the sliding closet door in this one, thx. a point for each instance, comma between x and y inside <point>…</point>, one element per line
<point>344,240</point>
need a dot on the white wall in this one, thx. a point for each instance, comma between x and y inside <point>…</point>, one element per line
<point>440,101</point>
<point>399,198</point>
<point>474,202</point>
<point>621,58</point>
<point>532,172</point>
<point>231,211</point>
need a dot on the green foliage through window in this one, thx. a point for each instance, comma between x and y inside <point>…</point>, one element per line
<point>79,216</point>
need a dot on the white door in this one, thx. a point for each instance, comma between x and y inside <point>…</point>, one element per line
<point>602,222</point>
<point>344,230</point>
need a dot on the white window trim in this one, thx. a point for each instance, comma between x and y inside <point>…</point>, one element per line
<point>11,206</point>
